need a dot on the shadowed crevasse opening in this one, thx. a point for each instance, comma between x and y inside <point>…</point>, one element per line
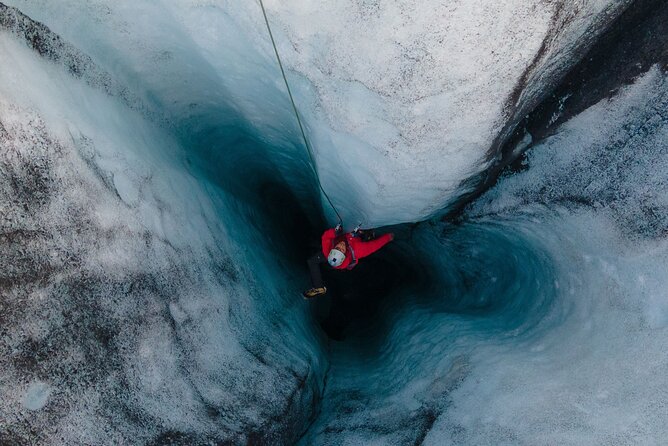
<point>474,276</point>
<point>482,270</point>
<point>441,266</point>
<point>477,269</point>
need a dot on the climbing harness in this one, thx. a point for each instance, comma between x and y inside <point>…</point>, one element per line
<point>294,107</point>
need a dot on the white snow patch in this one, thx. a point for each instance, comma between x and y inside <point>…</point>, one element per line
<point>37,395</point>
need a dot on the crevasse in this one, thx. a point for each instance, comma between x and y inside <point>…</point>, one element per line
<point>157,208</point>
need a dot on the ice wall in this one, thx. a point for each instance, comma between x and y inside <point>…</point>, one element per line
<point>132,309</point>
<point>541,319</point>
<point>404,101</point>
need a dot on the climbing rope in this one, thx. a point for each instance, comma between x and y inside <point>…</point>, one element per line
<point>294,107</point>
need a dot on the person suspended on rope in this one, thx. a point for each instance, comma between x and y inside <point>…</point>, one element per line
<point>342,251</point>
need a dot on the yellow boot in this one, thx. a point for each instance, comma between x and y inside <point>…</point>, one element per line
<point>314,292</point>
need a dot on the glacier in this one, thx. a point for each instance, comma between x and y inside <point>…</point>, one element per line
<point>157,206</point>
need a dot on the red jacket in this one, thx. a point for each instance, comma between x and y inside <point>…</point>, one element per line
<point>356,247</point>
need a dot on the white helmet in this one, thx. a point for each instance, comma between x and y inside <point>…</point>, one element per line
<point>336,257</point>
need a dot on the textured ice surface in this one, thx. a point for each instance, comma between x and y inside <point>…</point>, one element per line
<point>131,309</point>
<point>598,378</point>
<point>409,99</point>
<point>546,318</point>
<point>404,101</point>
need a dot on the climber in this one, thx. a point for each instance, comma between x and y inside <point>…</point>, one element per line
<point>342,251</point>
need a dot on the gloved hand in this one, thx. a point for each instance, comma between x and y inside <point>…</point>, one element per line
<point>338,228</point>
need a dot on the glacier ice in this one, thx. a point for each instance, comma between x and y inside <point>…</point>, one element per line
<point>155,206</point>
<point>126,288</point>
<point>386,91</point>
<point>542,318</point>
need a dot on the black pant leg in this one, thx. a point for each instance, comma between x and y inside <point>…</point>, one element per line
<point>314,269</point>
<point>366,234</point>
